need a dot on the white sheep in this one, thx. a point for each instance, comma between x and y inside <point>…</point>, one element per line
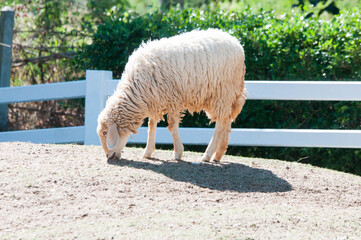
<point>194,71</point>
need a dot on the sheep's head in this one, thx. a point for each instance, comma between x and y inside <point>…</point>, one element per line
<point>112,138</point>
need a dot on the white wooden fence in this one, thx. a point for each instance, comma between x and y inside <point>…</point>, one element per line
<point>100,84</point>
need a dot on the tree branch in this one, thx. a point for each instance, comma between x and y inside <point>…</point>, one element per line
<point>52,56</point>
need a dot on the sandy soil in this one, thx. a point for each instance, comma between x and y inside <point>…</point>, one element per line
<point>72,192</point>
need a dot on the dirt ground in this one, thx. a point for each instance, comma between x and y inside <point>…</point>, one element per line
<point>72,192</point>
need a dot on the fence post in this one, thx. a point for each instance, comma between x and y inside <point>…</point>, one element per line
<point>95,98</point>
<point>6,42</point>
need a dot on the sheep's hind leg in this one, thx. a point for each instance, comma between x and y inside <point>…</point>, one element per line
<point>173,127</point>
<point>152,127</point>
<point>222,140</point>
<point>220,147</point>
<point>211,149</point>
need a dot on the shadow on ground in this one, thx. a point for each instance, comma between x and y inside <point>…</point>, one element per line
<point>223,177</point>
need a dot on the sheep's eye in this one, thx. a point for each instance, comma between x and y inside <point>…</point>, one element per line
<point>104,133</point>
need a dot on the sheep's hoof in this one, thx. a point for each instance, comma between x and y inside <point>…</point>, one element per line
<point>215,160</point>
<point>205,158</point>
<point>147,156</point>
<point>177,157</point>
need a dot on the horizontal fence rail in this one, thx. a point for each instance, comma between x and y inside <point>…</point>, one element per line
<point>261,137</point>
<point>100,84</point>
<point>257,90</point>
<point>43,92</point>
<point>293,90</point>
<point>49,135</point>
<point>304,90</point>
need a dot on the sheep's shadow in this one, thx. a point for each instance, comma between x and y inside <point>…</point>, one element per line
<point>223,177</point>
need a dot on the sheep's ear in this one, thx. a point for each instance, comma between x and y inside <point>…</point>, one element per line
<point>112,136</point>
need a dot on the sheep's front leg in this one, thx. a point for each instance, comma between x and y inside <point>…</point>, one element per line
<point>152,127</point>
<point>173,127</point>
<point>223,139</point>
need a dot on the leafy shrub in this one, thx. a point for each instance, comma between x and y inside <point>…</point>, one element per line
<point>281,47</point>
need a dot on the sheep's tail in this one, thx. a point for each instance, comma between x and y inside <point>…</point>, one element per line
<point>244,90</point>
<point>237,106</point>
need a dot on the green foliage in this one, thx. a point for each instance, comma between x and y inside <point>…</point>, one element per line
<point>98,8</point>
<point>280,47</point>
<point>318,6</point>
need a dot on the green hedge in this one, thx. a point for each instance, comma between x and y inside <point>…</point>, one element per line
<point>281,47</point>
